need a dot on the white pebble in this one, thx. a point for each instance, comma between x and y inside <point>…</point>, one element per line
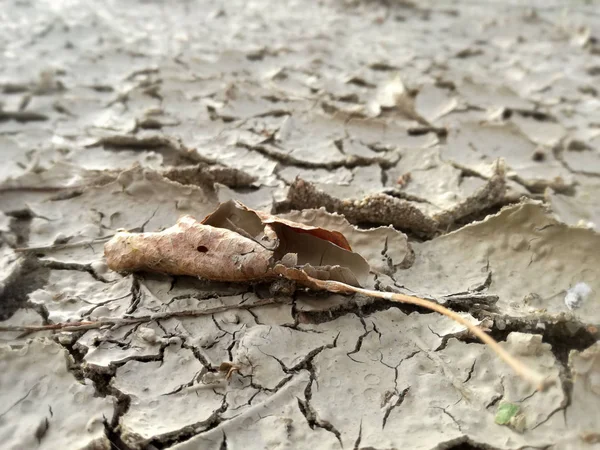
<point>147,334</point>
<point>576,295</point>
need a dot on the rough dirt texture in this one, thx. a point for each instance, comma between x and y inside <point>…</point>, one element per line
<point>472,128</point>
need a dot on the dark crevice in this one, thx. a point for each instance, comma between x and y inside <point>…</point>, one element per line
<point>360,339</point>
<point>136,294</point>
<point>559,335</point>
<point>471,370</point>
<point>111,427</point>
<point>59,265</point>
<point>19,225</point>
<point>223,445</point>
<point>199,356</point>
<point>290,160</point>
<point>76,352</point>
<point>230,348</point>
<point>359,437</point>
<point>27,276</point>
<point>41,309</point>
<point>312,418</point>
<point>22,116</point>
<point>397,403</point>
<point>464,443</point>
<point>450,416</point>
<point>371,306</point>
<point>188,432</point>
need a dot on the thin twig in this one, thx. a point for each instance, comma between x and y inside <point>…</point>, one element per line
<point>119,322</point>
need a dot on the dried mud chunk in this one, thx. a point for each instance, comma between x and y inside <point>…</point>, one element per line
<point>488,195</point>
<point>378,209</point>
<point>154,386</point>
<point>580,209</point>
<point>546,259</point>
<point>72,294</point>
<point>475,146</point>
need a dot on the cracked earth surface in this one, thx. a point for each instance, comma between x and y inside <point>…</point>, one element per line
<point>455,144</point>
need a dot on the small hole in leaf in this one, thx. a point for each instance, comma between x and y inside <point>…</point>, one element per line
<point>202,249</point>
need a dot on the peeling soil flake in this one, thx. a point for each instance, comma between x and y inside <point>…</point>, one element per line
<point>210,210</point>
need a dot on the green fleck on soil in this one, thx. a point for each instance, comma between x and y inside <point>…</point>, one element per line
<point>506,411</point>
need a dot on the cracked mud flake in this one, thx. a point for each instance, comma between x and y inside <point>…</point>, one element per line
<point>485,384</point>
<point>226,150</point>
<point>433,103</point>
<point>98,158</point>
<point>22,316</point>
<point>321,177</point>
<point>583,159</point>
<point>582,208</point>
<point>71,295</point>
<point>461,382</point>
<point>274,422</point>
<point>474,147</point>
<point>137,198</point>
<point>268,352</point>
<point>486,95</point>
<point>170,384</point>
<point>435,185</point>
<point>369,375</point>
<point>205,335</point>
<point>45,406</point>
<point>543,130</point>
<point>261,199</point>
<point>106,350</point>
<point>15,159</point>
<point>546,258</point>
<point>213,336</point>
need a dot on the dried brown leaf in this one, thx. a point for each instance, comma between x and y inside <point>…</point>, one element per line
<point>232,210</point>
<point>235,243</point>
<point>190,248</point>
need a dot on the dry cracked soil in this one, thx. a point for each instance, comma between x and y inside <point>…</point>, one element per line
<point>455,144</point>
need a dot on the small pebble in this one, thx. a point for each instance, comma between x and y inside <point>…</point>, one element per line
<point>576,295</point>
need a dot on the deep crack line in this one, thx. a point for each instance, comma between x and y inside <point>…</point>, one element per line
<point>58,265</point>
<point>359,437</point>
<point>399,401</point>
<point>189,431</point>
<point>313,419</point>
<point>449,415</point>
<point>19,400</point>
<point>360,340</point>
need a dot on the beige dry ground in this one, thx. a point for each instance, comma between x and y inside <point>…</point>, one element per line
<point>455,144</point>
